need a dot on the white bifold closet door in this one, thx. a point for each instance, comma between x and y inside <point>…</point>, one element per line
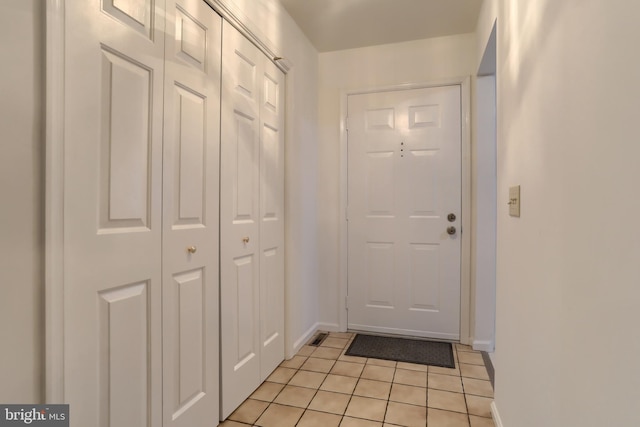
<point>251,215</point>
<point>141,187</point>
<point>190,235</point>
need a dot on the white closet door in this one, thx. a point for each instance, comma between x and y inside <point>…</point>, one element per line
<point>251,215</point>
<point>114,56</point>
<point>271,219</point>
<point>190,214</point>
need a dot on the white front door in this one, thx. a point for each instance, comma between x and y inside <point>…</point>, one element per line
<point>190,320</point>
<point>114,61</point>
<point>251,219</point>
<point>404,179</point>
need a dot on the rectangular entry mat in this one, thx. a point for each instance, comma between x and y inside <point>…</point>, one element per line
<point>403,350</point>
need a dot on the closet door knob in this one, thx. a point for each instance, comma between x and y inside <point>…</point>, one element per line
<point>245,240</point>
<point>192,249</point>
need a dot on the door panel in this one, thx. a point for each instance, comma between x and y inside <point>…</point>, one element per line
<point>252,230</point>
<point>190,207</point>
<point>124,355</point>
<point>239,220</point>
<point>404,178</point>
<point>112,212</point>
<point>271,218</point>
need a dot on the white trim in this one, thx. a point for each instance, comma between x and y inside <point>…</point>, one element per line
<point>306,336</point>
<point>465,258</point>
<point>234,15</point>
<point>483,345</point>
<point>406,332</point>
<point>54,203</point>
<point>496,416</point>
<point>465,232</point>
<point>329,327</point>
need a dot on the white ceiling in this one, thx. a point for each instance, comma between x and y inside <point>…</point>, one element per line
<point>345,24</point>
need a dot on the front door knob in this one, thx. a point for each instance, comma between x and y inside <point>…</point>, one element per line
<point>451,231</point>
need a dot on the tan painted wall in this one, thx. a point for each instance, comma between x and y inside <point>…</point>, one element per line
<point>22,206</point>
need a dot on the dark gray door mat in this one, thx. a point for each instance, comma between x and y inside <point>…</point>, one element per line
<point>403,350</point>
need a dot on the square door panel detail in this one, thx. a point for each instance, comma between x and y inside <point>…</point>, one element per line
<point>382,119</point>
<point>191,38</point>
<point>136,14</point>
<point>424,116</point>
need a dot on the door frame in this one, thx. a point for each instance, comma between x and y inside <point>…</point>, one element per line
<point>465,230</point>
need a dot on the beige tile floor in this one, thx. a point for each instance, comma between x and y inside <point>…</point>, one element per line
<point>321,387</point>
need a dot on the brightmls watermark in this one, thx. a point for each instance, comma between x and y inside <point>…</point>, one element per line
<point>34,415</point>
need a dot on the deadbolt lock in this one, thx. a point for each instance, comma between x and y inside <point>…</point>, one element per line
<point>451,217</point>
<point>451,231</point>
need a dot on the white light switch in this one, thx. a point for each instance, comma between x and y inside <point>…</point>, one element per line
<point>514,201</point>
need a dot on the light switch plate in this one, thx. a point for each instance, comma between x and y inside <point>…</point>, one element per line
<point>514,201</point>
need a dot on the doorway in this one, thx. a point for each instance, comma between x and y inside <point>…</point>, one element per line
<point>421,112</point>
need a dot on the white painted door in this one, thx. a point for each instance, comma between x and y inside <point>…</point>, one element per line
<point>251,218</point>
<point>190,317</point>
<point>404,178</point>
<point>114,56</point>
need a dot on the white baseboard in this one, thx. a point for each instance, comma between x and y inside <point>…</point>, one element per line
<point>306,336</point>
<point>496,415</point>
<point>329,327</point>
<point>480,345</point>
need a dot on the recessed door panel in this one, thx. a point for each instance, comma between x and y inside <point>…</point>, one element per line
<point>380,179</point>
<point>191,157</point>
<point>124,350</point>
<point>246,315</point>
<point>136,14</point>
<point>381,274</point>
<point>271,93</point>
<point>190,367</point>
<point>423,169</point>
<point>191,37</point>
<point>245,73</point>
<point>270,295</point>
<point>380,119</point>
<point>270,173</point>
<point>424,116</point>
<point>124,160</point>
<point>425,277</point>
<point>245,158</point>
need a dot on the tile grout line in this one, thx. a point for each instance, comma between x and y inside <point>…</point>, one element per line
<point>359,378</point>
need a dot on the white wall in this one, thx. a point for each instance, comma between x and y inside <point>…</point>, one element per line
<point>269,20</point>
<point>22,195</point>
<point>568,273</point>
<point>417,62</point>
